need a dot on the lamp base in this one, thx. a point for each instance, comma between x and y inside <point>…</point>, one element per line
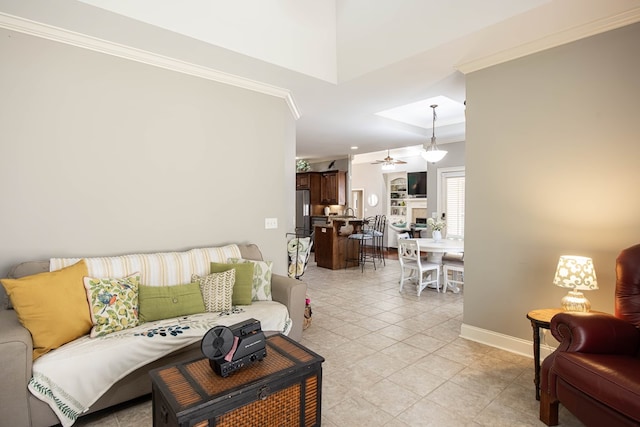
<point>575,301</point>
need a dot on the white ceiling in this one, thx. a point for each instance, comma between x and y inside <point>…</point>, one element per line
<point>342,61</point>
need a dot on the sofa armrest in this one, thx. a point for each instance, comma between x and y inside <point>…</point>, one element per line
<point>16,353</point>
<point>595,333</point>
<point>292,293</point>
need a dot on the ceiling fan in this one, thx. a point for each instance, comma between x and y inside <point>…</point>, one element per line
<point>389,163</point>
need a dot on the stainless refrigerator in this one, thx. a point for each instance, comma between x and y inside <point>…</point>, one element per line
<point>303,213</point>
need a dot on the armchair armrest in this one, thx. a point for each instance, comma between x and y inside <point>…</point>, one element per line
<point>16,353</point>
<point>292,293</point>
<point>595,333</point>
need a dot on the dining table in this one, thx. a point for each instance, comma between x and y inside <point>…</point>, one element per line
<point>436,249</point>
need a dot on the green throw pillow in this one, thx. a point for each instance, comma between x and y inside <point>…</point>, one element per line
<point>164,302</point>
<point>242,289</point>
<point>261,278</point>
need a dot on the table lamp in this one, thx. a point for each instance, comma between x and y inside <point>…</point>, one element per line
<point>578,274</point>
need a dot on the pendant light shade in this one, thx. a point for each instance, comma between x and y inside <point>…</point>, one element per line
<point>432,153</point>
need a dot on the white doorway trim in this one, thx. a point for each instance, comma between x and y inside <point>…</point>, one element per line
<point>356,202</point>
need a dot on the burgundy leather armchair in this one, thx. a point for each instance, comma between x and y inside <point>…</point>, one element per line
<point>595,372</point>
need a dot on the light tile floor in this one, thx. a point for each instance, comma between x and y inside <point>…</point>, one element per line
<point>394,359</point>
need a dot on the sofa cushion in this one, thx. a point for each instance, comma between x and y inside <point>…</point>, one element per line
<point>23,269</point>
<point>52,306</point>
<point>261,281</point>
<point>217,289</point>
<point>163,302</point>
<point>113,303</point>
<point>242,289</point>
<point>249,251</point>
<point>156,269</point>
<point>611,379</point>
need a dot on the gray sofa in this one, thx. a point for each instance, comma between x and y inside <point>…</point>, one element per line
<point>19,408</point>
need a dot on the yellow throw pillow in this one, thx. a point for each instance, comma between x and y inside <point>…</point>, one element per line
<point>52,306</point>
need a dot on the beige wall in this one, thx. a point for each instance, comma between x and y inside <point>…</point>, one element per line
<point>101,156</point>
<point>552,168</point>
<point>370,179</point>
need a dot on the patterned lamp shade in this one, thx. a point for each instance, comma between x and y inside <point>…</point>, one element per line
<point>577,274</point>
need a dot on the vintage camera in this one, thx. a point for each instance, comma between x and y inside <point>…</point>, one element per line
<point>230,348</point>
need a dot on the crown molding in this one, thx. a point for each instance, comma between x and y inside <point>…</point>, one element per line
<point>84,41</point>
<point>553,40</point>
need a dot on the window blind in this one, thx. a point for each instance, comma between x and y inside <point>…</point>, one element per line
<point>454,204</point>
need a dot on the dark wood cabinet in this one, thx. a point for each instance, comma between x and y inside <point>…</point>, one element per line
<point>303,180</point>
<point>325,188</point>
<point>310,181</point>
<point>333,188</point>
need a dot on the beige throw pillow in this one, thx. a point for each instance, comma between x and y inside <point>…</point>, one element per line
<point>217,289</point>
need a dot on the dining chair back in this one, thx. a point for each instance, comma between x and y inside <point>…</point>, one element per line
<point>411,261</point>
<point>453,275</point>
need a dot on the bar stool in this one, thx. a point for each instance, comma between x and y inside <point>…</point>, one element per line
<point>378,237</point>
<point>367,248</point>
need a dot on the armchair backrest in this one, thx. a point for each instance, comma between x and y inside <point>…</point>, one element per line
<point>627,299</point>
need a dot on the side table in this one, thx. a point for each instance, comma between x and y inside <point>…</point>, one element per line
<point>540,318</point>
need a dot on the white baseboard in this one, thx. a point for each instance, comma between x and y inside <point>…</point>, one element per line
<point>503,342</point>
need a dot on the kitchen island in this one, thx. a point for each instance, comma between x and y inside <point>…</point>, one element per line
<point>333,250</point>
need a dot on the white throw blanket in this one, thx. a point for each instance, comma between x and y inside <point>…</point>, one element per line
<point>71,378</point>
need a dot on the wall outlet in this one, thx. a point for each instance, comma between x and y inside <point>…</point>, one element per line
<point>270,223</point>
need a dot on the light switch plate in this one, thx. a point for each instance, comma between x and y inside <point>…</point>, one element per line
<point>270,223</point>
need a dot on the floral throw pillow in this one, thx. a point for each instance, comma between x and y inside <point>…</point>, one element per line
<point>113,303</point>
<point>261,278</point>
<point>217,289</point>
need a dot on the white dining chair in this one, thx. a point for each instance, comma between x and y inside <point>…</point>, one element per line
<point>410,260</point>
<point>453,274</point>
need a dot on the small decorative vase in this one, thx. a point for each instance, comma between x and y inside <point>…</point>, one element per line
<point>437,235</point>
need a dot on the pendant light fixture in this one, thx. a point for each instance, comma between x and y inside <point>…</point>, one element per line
<point>388,166</point>
<point>432,153</point>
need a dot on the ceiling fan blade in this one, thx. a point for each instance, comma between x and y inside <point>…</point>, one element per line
<point>389,160</point>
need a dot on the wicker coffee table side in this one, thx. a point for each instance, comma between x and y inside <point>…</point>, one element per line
<point>283,389</point>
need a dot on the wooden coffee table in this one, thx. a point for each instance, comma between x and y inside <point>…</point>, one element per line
<point>284,389</point>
